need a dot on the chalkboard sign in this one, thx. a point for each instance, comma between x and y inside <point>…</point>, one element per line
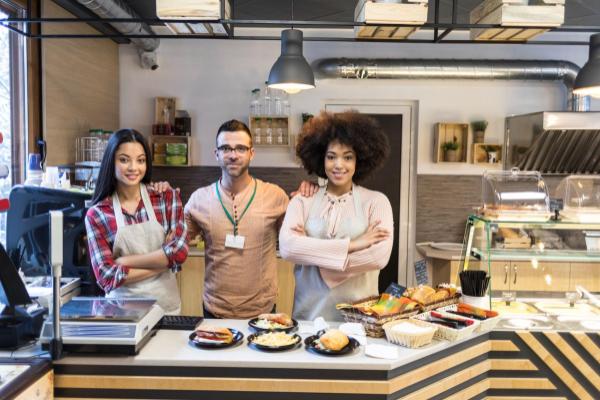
<point>421,272</point>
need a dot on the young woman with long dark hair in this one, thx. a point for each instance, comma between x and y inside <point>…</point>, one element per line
<point>136,235</point>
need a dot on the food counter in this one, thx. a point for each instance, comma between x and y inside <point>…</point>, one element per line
<point>502,363</point>
<point>25,379</point>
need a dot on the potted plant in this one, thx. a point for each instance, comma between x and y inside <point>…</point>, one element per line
<point>451,150</point>
<point>479,128</point>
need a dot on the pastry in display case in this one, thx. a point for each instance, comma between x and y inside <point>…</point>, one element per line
<point>515,196</point>
<point>581,198</point>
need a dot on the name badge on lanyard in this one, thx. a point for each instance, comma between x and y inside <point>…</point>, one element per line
<point>234,241</point>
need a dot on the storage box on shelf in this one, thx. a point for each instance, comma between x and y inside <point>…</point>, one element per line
<point>514,14</point>
<point>171,151</point>
<point>487,154</point>
<point>270,130</point>
<point>210,10</point>
<point>446,133</point>
<point>412,12</point>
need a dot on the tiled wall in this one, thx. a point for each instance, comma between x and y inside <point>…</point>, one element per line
<point>443,201</point>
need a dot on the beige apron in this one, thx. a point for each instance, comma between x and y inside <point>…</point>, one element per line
<point>144,238</point>
<point>312,297</point>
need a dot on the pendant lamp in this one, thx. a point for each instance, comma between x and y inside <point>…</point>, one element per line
<point>587,82</point>
<point>291,72</point>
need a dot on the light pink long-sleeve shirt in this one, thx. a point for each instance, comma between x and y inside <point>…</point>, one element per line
<point>331,255</point>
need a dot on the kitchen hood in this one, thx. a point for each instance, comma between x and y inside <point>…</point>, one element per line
<point>553,142</point>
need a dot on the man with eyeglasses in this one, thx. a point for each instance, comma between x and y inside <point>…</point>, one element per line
<point>239,218</point>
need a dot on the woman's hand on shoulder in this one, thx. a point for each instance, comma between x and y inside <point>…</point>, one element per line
<point>373,235</point>
<point>161,187</point>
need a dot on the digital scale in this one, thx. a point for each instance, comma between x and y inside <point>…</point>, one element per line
<point>40,288</point>
<point>105,325</point>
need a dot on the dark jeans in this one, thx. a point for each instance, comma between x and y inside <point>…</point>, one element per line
<point>208,314</point>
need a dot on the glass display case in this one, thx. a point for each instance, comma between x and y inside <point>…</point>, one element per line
<point>515,195</point>
<point>536,267</point>
<point>581,198</point>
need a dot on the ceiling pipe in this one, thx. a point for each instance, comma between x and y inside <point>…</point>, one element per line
<point>119,9</point>
<point>545,70</point>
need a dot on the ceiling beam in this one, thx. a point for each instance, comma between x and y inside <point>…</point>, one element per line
<point>81,11</point>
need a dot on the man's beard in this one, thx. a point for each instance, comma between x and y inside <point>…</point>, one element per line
<point>236,173</point>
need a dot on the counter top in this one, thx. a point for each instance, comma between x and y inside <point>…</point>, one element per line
<point>426,250</point>
<point>172,348</point>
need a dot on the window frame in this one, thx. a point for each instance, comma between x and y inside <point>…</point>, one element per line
<point>18,95</point>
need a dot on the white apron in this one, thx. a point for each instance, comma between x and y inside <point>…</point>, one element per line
<point>144,238</point>
<point>312,297</point>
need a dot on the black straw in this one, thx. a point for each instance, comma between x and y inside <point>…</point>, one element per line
<point>474,283</point>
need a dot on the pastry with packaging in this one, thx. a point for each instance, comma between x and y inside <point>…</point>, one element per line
<point>334,340</point>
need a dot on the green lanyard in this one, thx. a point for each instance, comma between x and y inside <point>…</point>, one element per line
<point>234,222</point>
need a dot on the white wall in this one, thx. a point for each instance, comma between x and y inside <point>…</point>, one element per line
<point>213,78</point>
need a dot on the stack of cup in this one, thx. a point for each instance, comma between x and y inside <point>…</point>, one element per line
<point>34,170</point>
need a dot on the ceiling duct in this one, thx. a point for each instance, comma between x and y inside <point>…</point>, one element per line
<point>119,9</point>
<point>546,70</point>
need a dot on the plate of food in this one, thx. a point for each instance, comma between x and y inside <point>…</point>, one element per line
<point>273,341</point>
<point>215,337</point>
<point>273,322</point>
<point>333,342</point>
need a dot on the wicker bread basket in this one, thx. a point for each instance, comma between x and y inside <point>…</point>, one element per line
<point>409,339</point>
<point>446,302</point>
<point>373,324</point>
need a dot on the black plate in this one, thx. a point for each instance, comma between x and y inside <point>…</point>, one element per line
<point>292,328</point>
<point>237,337</point>
<point>269,348</point>
<point>349,348</point>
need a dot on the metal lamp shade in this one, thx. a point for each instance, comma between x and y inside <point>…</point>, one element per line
<point>291,72</point>
<point>587,82</point>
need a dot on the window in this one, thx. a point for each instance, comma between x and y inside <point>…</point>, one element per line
<point>5,119</point>
<point>12,109</point>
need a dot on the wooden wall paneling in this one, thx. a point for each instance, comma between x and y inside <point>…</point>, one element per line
<point>80,85</point>
<point>191,286</point>
<point>575,358</point>
<point>439,366</point>
<point>554,365</point>
<point>34,85</point>
<point>285,286</point>
<point>587,343</point>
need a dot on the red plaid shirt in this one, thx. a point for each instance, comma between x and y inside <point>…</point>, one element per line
<point>101,228</point>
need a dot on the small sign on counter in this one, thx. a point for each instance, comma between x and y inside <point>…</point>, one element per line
<point>421,272</point>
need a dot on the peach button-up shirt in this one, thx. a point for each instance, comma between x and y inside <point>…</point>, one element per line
<point>239,283</point>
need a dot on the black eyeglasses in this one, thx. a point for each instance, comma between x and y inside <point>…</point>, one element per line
<point>225,149</point>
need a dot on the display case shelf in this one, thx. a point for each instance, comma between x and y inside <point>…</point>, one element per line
<point>532,258</point>
<point>539,255</point>
<point>527,224</point>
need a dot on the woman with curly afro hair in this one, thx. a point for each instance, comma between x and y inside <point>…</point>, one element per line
<point>341,237</point>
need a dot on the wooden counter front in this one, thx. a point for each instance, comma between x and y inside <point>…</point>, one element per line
<point>499,364</point>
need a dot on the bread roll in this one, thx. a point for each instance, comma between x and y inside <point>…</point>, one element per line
<point>334,339</point>
<point>423,294</point>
